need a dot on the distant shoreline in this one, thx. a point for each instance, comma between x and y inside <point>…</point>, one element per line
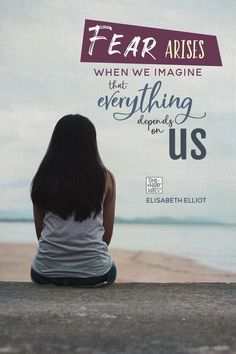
<point>141,221</point>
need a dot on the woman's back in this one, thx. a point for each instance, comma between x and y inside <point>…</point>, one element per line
<point>72,248</point>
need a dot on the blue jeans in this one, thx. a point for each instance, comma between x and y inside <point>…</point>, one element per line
<point>107,278</point>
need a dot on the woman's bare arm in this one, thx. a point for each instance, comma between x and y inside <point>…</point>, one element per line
<point>109,207</point>
<point>38,220</point>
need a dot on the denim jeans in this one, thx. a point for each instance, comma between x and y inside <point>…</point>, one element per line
<point>107,278</point>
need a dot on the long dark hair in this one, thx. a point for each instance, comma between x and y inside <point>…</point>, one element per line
<point>71,176</point>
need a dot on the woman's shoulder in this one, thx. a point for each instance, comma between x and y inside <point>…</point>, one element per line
<point>110,187</point>
<point>109,176</point>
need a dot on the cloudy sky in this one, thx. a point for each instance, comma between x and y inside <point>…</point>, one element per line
<point>42,79</point>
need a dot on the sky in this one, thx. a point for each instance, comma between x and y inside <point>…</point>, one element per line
<point>42,79</point>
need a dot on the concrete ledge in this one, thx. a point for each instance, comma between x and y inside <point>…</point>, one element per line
<point>120,318</point>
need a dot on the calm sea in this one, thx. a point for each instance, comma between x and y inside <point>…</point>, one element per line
<point>211,245</point>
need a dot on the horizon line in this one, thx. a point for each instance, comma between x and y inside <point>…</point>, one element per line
<point>162,220</point>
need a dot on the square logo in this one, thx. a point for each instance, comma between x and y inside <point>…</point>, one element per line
<point>154,185</point>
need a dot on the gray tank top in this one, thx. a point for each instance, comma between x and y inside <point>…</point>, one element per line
<point>69,248</point>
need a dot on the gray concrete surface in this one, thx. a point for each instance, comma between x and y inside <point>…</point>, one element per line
<point>120,318</point>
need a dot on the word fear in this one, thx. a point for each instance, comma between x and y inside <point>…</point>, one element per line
<point>147,43</point>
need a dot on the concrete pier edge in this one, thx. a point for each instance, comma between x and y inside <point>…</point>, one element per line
<point>166,318</point>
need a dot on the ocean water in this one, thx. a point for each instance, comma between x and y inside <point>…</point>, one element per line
<point>214,246</point>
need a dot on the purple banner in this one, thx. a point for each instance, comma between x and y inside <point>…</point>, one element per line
<point>108,42</point>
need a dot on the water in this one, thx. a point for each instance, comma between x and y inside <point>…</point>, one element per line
<point>214,246</point>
